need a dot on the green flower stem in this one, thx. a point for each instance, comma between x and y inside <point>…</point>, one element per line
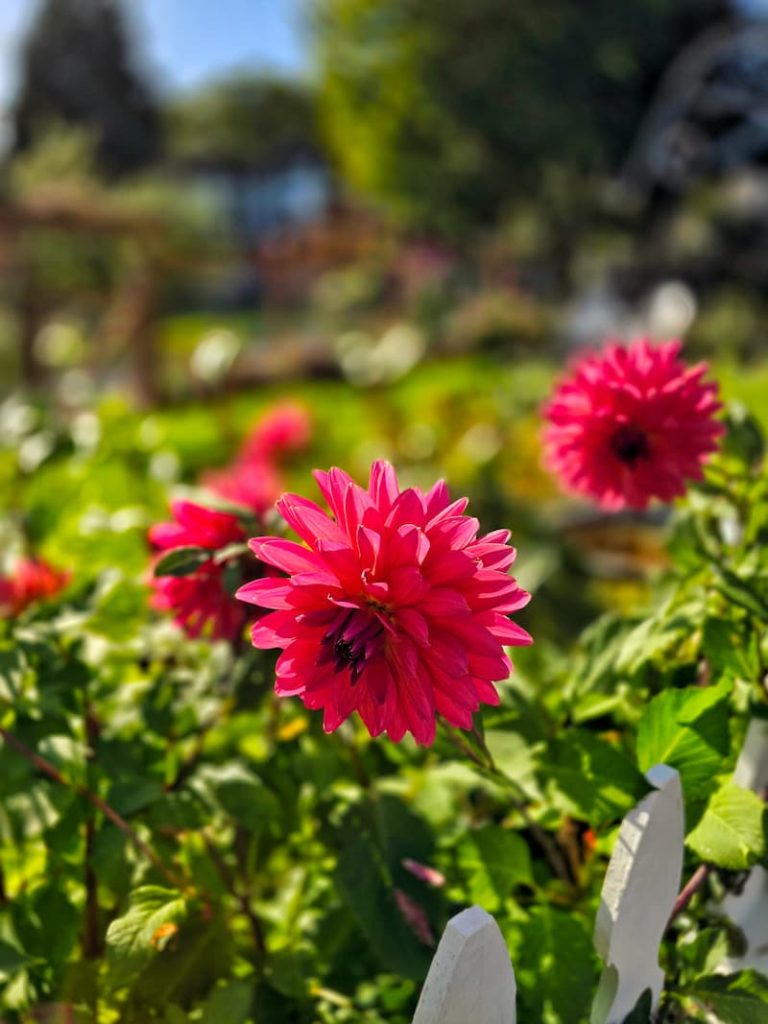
<point>483,758</point>
<point>243,900</point>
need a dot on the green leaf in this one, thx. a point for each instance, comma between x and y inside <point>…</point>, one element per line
<point>366,887</point>
<point>494,860</point>
<point>230,1004</point>
<point>744,435</point>
<point>641,1012</point>
<point>728,650</point>
<point>587,777</point>
<point>182,561</point>
<point>240,793</point>
<point>11,960</point>
<point>739,592</point>
<point>687,729</point>
<point>149,926</point>
<point>740,998</point>
<point>731,833</point>
<point>555,965</point>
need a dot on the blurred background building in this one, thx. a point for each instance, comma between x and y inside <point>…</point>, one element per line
<point>304,176</point>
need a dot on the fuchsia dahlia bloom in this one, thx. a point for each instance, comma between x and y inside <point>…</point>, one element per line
<point>285,428</point>
<point>32,580</point>
<point>393,607</point>
<point>201,599</point>
<point>254,485</point>
<point>631,424</point>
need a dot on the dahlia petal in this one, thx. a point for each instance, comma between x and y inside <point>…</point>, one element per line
<point>451,511</point>
<point>372,715</point>
<point>510,633</point>
<point>414,623</point>
<point>407,509</point>
<point>437,498</point>
<point>284,554</point>
<point>456,531</point>
<point>383,487</point>
<point>408,544</point>
<point>369,547</point>
<point>407,585</point>
<point>378,679</point>
<point>341,560</point>
<point>274,630</point>
<point>449,567</point>
<point>442,603</point>
<point>270,593</point>
<point>486,691</point>
<point>167,535</point>
<point>356,501</point>
<point>308,520</point>
<point>448,651</point>
<point>332,486</point>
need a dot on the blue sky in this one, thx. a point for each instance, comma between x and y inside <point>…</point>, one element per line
<point>187,42</point>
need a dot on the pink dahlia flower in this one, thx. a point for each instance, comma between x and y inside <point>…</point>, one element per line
<point>254,485</point>
<point>284,428</point>
<point>253,480</point>
<point>631,424</point>
<point>32,580</point>
<point>201,599</point>
<point>393,606</point>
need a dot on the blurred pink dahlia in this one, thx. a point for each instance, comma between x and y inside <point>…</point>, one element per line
<point>285,428</point>
<point>630,424</point>
<point>32,580</point>
<point>392,607</point>
<point>201,599</point>
<point>253,479</point>
<point>254,485</point>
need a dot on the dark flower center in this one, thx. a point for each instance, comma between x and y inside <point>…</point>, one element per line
<point>630,444</point>
<point>352,638</point>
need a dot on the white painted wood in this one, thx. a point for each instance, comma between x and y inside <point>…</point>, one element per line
<point>639,892</point>
<point>471,980</point>
<point>749,910</point>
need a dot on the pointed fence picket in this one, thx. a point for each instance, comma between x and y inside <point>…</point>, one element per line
<point>749,910</point>
<point>471,980</point>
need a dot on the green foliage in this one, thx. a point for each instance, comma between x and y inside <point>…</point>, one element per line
<point>688,730</point>
<point>189,848</point>
<point>407,87</point>
<point>250,120</point>
<point>733,998</point>
<point>732,830</point>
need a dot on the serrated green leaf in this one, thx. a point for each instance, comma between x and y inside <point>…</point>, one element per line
<point>731,833</point>
<point>687,729</point>
<point>182,561</point>
<point>740,998</point>
<point>151,922</point>
<point>494,860</point>
<point>587,777</point>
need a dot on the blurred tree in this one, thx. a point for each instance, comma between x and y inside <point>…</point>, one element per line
<point>76,68</point>
<point>247,119</point>
<point>451,112</point>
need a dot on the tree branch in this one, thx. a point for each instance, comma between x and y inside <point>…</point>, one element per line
<point>110,813</point>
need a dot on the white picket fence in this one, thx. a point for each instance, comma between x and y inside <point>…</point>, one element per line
<point>472,981</point>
